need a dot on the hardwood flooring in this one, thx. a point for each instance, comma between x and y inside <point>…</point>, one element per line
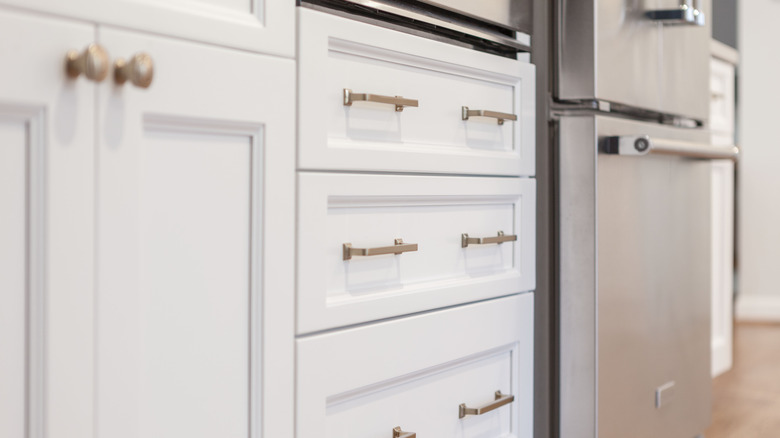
<point>746,399</point>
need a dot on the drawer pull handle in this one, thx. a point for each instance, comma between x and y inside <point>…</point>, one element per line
<point>465,240</point>
<point>466,113</point>
<point>501,400</point>
<point>398,248</point>
<point>398,433</point>
<point>398,101</point>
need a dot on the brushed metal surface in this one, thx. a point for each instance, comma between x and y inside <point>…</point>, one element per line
<point>577,313</point>
<point>404,10</point>
<point>512,14</point>
<point>634,284</point>
<point>610,51</point>
<point>685,63</point>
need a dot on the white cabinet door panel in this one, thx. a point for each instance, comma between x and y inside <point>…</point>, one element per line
<point>46,244</point>
<point>337,53</point>
<point>369,211</point>
<point>266,26</point>
<point>415,372</point>
<point>189,316</point>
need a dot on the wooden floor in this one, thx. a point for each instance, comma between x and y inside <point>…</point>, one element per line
<point>746,400</point>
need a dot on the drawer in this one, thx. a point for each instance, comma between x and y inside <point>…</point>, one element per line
<point>722,97</point>
<point>433,212</point>
<point>337,53</point>
<point>415,373</point>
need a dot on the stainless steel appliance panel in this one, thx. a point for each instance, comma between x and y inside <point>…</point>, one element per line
<point>610,50</point>
<point>511,14</point>
<point>685,68</point>
<point>635,283</point>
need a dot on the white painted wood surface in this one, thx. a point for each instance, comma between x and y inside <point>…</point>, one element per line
<point>722,102</point>
<point>337,53</point>
<point>195,223</point>
<point>722,227</point>
<point>374,210</point>
<point>266,26</point>
<point>46,226</point>
<point>415,372</point>
<point>722,127</point>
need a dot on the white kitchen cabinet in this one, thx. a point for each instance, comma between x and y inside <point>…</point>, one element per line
<point>195,211</point>
<point>415,373</point>
<point>184,321</point>
<point>266,26</point>
<point>46,230</point>
<point>432,213</point>
<point>722,127</point>
<point>399,319</point>
<point>337,54</point>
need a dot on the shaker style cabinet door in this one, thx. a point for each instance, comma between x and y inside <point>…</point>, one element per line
<point>46,217</point>
<point>266,26</point>
<point>195,215</point>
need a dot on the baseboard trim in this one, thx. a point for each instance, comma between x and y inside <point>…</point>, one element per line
<point>758,308</point>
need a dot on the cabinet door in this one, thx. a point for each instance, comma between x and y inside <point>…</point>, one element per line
<point>195,229</point>
<point>266,26</point>
<point>46,222</point>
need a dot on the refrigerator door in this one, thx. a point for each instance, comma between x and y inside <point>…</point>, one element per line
<point>620,51</point>
<point>634,283</point>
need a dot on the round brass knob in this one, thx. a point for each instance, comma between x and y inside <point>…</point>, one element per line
<point>92,63</point>
<point>139,70</point>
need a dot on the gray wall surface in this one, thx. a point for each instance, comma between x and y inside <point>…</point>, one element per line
<point>724,21</point>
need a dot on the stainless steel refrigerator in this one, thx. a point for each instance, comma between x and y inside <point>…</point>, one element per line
<point>631,102</point>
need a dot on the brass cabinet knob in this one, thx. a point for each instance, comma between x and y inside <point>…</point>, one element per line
<point>139,70</point>
<point>92,63</point>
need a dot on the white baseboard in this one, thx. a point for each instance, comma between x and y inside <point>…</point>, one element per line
<point>758,308</point>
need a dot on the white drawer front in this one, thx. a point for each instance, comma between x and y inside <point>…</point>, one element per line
<point>415,372</point>
<point>722,97</point>
<point>370,211</point>
<point>337,53</point>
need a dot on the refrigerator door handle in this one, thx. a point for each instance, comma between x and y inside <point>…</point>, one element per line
<point>643,145</point>
<point>686,14</point>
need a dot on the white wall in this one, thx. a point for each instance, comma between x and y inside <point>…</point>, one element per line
<point>759,167</point>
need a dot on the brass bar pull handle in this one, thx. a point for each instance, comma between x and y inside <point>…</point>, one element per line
<point>465,113</point>
<point>465,240</point>
<point>398,101</point>
<point>398,433</point>
<point>398,248</point>
<point>501,400</point>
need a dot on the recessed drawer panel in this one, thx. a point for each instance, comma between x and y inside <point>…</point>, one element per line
<point>345,219</point>
<point>722,97</point>
<point>416,372</point>
<point>404,110</point>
